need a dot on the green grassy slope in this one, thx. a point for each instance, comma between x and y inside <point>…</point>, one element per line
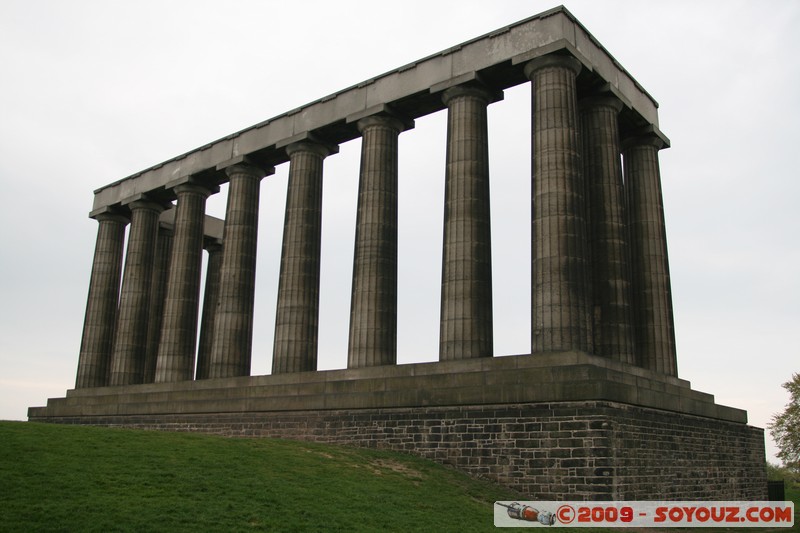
<point>64,478</point>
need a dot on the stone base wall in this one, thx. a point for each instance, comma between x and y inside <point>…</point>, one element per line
<point>581,450</point>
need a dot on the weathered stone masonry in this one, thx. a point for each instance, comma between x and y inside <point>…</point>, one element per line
<point>595,411</point>
<point>560,451</point>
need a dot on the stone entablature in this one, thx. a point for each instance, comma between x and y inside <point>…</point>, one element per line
<point>412,91</point>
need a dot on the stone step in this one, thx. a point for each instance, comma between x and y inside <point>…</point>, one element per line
<point>510,380</point>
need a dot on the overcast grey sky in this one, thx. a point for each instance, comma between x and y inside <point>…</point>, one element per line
<point>93,91</point>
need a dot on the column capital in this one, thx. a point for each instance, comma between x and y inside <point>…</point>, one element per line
<point>146,204</point>
<point>314,147</point>
<point>194,188</point>
<point>601,100</point>
<point>246,168</point>
<point>166,228</point>
<point>643,139</point>
<point>387,121</point>
<point>473,90</point>
<point>243,164</point>
<point>552,60</point>
<point>381,110</point>
<point>192,180</point>
<point>110,216</point>
<point>212,245</point>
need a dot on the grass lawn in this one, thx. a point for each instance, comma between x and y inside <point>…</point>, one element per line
<point>68,478</point>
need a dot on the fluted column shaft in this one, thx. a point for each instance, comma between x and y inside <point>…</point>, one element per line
<point>373,304</point>
<point>561,301</point>
<point>231,351</point>
<point>608,241</point>
<point>297,316</point>
<point>652,296</point>
<point>176,350</point>
<point>158,296</point>
<point>211,296</point>
<point>130,341</point>
<point>466,307</point>
<point>101,303</point>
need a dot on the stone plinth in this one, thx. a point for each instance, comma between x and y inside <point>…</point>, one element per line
<point>559,426</point>
<point>559,376</point>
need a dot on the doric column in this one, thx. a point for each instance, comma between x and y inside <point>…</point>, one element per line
<point>560,269</point>
<point>101,304</point>
<point>233,324</point>
<point>466,308</point>
<point>297,317</point>
<point>373,305</point>
<point>158,295</point>
<point>210,298</point>
<point>176,349</point>
<point>652,297</point>
<point>130,340</point>
<point>608,239</point>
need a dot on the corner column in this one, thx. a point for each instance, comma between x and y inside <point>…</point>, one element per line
<point>130,341</point>
<point>297,316</point>
<point>176,351</point>
<point>211,296</point>
<point>94,361</point>
<point>652,295</point>
<point>231,351</point>
<point>561,301</point>
<point>373,304</point>
<point>466,328</point>
<point>608,239</point>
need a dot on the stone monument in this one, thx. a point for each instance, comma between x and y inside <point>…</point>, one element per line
<point>596,410</point>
